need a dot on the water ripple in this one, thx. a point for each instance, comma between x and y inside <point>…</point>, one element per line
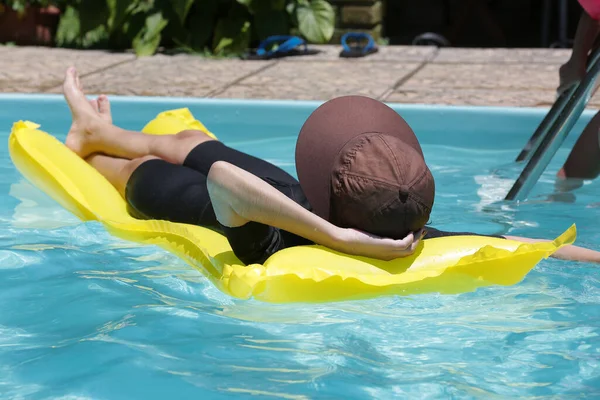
<point>86,316</point>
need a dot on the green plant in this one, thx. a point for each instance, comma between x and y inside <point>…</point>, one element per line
<point>384,41</point>
<point>115,24</point>
<point>20,6</point>
<point>222,26</point>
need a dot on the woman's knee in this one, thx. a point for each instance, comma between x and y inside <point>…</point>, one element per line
<point>192,135</point>
<point>217,174</point>
<point>176,148</point>
<point>132,165</point>
<point>222,200</point>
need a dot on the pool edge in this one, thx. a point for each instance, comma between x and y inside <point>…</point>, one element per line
<point>281,103</point>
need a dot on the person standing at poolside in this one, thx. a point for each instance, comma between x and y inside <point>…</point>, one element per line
<point>364,188</point>
<point>584,160</point>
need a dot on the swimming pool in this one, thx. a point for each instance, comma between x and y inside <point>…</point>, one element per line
<point>84,315</point>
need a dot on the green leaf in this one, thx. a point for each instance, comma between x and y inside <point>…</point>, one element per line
<point>148,39</point>
<point>141,6</point>
<point>291,8</point>
<point>223,43</point>
<point>129,31</point>
<point>232,33</point>
<point>119,11</point>
<point>67,33</point>
<point>231,36</point>
<point>182,8</point>
<point>97,37</point>
<point>18,7</point>
<point>316,21</point>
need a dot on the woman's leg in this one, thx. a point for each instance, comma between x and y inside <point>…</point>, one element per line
<point>585,36</point>
<point>584,160</point>
<point>156,189</point>
<point>90,133</point>
<point>116,170</point>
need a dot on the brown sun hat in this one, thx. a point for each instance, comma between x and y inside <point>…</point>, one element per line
<point>361,166</point>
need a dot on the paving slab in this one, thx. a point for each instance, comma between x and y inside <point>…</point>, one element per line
<point>407,74</point>
<point>35,69</point>
<point>473,97</point>
<point>320,80</point>
<point>488,76</point>
<point>181,75</point>
<point>480,97</point>
<point>502,56</point>
<point>384,54</point>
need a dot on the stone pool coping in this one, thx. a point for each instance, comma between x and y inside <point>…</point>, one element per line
<point>399,74</point>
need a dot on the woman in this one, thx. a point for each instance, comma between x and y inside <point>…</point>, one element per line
<point>360,164</point>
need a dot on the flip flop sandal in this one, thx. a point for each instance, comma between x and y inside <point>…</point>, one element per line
<point>280,46</point>
<point>429,39</point>
<point>356,45</point>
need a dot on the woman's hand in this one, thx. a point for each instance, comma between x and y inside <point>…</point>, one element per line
<point>358,243</point>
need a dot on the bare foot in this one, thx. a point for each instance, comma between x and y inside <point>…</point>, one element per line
<point>102,106</point>
<point>79,138</point>
<point>564,184</point>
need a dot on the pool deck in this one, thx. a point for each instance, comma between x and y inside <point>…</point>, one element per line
<point>400,74</point>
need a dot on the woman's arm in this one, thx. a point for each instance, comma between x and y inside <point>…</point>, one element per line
<point>239,197</point>
<point>569,252</point>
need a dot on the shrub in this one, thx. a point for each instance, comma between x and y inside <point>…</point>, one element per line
<point>21,5</point>
<point>220,26</point>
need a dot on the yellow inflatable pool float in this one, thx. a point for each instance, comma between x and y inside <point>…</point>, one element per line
<point>301,274</point>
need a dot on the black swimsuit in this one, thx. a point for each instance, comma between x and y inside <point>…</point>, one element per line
<point>178,193</point>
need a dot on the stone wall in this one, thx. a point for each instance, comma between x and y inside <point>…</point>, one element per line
<point>358,16</point>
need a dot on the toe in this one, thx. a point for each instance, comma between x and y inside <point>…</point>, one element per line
<point>103,104</point>
<point>70,77</point>
<point>77,80</point>
<point>104,108</point>
<point>75,97</point>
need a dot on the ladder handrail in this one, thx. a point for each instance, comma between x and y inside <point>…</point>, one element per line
<point>550,118</point>
<point>546,124</point>
<point>556,135</point>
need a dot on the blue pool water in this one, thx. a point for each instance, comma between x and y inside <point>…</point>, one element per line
<point>86,316</point>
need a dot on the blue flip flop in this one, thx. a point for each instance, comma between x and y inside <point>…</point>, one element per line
<point>356,44</point>
<point>284,46</point>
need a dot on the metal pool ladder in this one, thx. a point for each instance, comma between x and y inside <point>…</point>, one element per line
<point>554,129</point>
